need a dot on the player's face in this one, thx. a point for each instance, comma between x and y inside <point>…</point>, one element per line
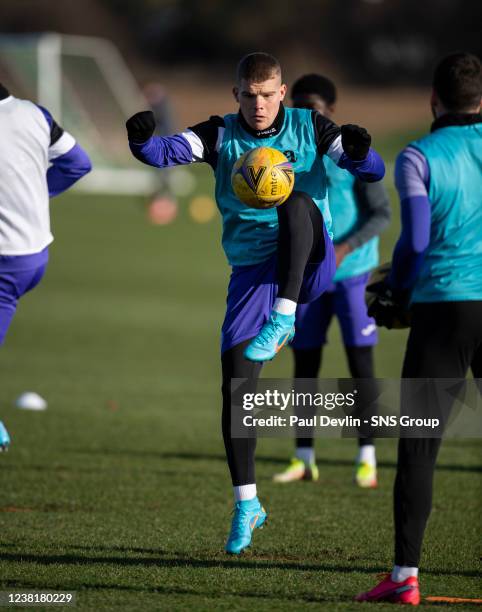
<point>315,102</point>
<point>259,102</point>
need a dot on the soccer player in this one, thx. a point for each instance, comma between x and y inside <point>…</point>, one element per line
<point>360,212</point>
<point>280,256</point>
<point>437,265</point>
<point>38,160</point>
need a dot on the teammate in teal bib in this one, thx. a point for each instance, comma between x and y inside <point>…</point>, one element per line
<point>359,212</point>
<point>452,265</point>
<point>436,276</point>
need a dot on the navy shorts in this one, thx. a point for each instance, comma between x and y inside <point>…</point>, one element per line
<point>253,289</point>
<point>18,274</point>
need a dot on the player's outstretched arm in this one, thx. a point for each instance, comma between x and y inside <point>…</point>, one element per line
<point>158,151</point>
<point>358,157</point>
<point>349,147</point>
<point>68,161</point>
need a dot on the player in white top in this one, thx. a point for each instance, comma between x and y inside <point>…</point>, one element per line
<point>38,160</point>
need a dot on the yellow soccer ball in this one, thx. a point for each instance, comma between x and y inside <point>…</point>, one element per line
<point>263,178</point>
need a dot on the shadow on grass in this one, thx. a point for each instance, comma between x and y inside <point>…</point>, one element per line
<point>190,456</point>
<point>169,561</point>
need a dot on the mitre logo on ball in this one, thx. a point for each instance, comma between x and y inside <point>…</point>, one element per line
<point>263,178</point>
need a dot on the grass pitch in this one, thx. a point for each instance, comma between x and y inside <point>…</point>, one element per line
<point>119,491</point>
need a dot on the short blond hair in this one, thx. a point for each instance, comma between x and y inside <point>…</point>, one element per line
<point>258,67</point>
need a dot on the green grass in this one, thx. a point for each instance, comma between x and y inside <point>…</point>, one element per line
<point>120,492</point>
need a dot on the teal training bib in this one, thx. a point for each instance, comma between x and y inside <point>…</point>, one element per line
<point>250,235</point>
<point>346,217</point>
<point>452,267</point>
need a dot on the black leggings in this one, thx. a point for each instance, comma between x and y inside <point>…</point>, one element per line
<point>301,240</point>
<point>445,341</point>
<point>360,363</point>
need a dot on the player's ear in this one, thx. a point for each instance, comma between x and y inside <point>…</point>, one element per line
<point>236,93</point>
<point>283,91</point>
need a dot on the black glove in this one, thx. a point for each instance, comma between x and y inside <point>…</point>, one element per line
<point>141,126</point>
<point>356,141</point>
<point>389,308</point>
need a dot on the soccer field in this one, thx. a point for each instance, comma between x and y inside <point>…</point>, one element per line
<point>120,492</point>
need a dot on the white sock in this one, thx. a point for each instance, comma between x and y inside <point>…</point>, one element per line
<point>244,492</point>
<point>401,572</point>
<point>305,454</point>
<point>285,306</point>
<point>366,454</point>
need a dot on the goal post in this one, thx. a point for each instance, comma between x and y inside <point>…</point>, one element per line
<point>89,89</point>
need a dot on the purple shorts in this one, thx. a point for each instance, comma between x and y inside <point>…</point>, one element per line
<point>252,291</point>
<point>18,274</point>
<point>346,300</point>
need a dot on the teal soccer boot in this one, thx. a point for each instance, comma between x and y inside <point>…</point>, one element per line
<point>4,438</point>
<point>248,515</point>
<point>278,331</point>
